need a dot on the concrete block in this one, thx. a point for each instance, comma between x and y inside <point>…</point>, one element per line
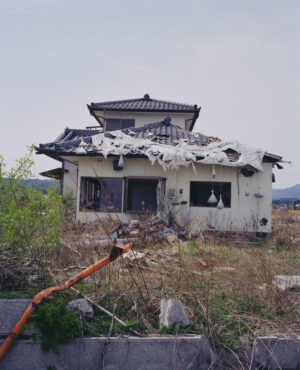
<point>82,307</point>
<point>172,313</point>
<point>284,282</point>
<point>11,311</point>
<point>126,353</point>
<point>277,353</point>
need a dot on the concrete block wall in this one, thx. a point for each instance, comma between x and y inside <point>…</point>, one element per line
<point>192,352</point>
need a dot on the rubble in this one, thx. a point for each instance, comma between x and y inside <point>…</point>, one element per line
<point>223,268</point>
<point>182,235</point>
<point>172,313</point>
<point>284,282</point>
<point>81,307</point>
<point>134,256</point>
<point>262,287</point>
<point>171,238</point>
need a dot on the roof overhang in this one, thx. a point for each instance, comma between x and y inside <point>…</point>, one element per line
<point>49,153</point>
<point>272,158</point>
<point>55,173</point>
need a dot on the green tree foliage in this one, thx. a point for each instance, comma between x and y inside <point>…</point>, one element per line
<point>29,220</point>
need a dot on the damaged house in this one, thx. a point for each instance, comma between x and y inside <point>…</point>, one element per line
<point>144,157</point>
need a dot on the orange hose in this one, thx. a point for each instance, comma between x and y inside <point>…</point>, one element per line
<point>117,250</point>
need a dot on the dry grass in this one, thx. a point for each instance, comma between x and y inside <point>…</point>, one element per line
<point>230,306</point>
<point>192,272</point>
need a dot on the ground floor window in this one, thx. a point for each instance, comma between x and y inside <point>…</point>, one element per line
<point>200,191</point>
<point>141,195</point>
<point>101,194</point>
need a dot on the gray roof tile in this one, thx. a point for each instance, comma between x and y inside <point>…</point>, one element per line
<point>162,132</point>
<point>146,104</point>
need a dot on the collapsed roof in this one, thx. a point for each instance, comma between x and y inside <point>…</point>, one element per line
<point>161,141</point>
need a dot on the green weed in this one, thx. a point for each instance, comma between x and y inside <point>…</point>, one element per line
<point>55,325</point>
<point>15,295</point>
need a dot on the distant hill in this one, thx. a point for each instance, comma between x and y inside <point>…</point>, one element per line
<point>41,184</point>
<point>292,193</point>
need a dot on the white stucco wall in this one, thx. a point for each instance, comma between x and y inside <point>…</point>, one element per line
<point>148,117</point>
<point>70,181</point>
<point>245,211</point>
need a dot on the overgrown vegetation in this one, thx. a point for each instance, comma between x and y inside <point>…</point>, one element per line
<point>30,224</point>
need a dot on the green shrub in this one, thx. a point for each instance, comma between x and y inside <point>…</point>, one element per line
<point>30,225</point>
<point>55,324</point>
<point>29,219</point>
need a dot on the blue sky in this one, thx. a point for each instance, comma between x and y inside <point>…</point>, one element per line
<point>238,60</point>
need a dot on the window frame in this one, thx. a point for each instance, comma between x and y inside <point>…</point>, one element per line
<point>82,208</point>
<point>214,183</point>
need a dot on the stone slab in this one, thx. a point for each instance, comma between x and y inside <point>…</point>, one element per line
<point>118,353</point>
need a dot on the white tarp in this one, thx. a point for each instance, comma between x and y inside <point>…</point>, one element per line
<point>174,156</point>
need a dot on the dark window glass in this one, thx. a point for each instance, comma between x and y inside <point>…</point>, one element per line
<point>111,195</point>
<point>141,195</point>
<point>103,194</point>
<point>113,124</point>
<point>126,123</point>
<point>201,191</point>
<point>118,124</point>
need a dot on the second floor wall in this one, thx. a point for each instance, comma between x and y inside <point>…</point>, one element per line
<point>119,120</point>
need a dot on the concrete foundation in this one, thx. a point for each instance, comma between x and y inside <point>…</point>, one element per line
<point>150,353</point>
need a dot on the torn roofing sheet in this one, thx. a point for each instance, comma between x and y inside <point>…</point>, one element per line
<point>169,145</point>
<point>174,156</point>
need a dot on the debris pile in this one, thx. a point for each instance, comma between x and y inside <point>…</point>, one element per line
<point>151,229</point>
